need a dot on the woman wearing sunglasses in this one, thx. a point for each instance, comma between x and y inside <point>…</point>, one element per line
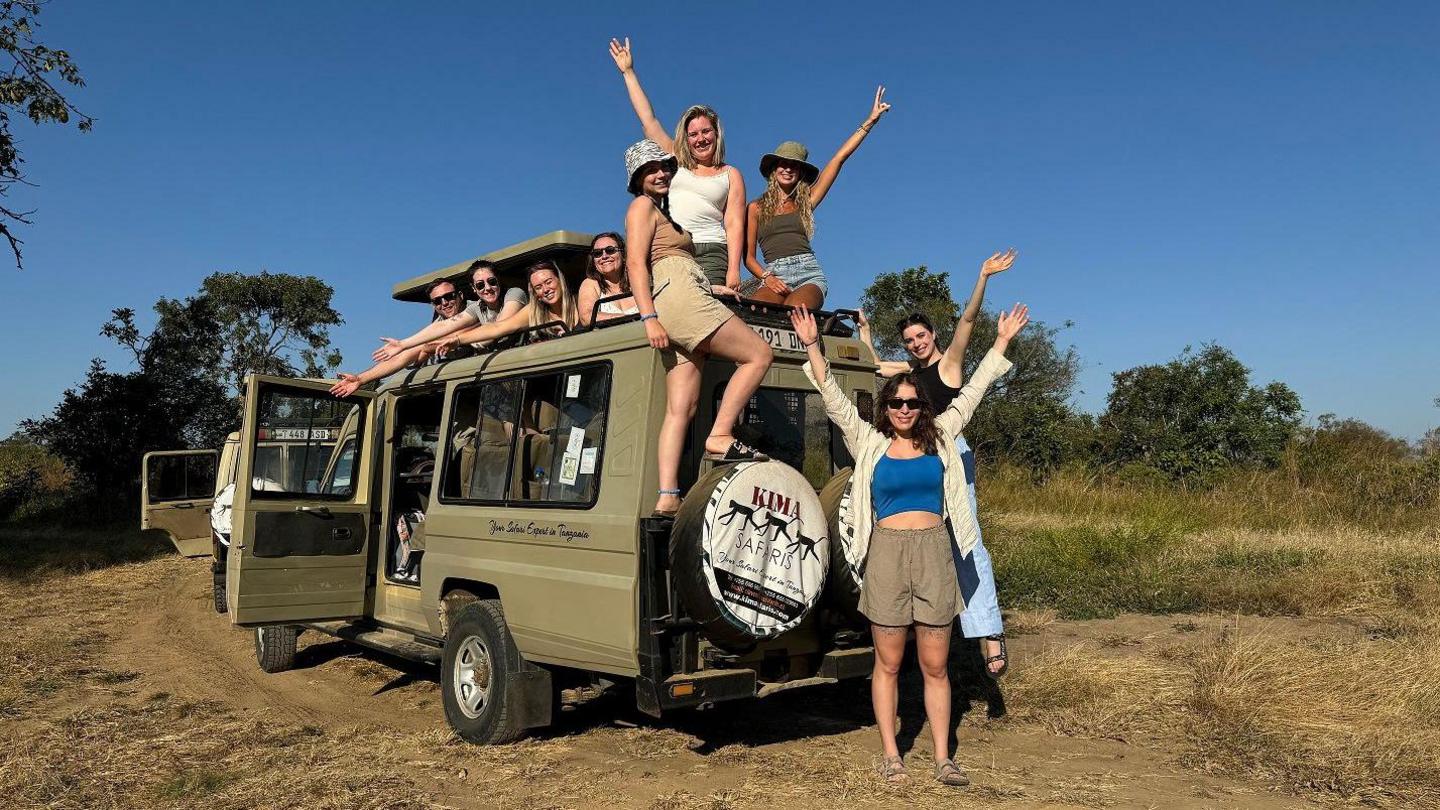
<point>605,276</point>
<point>912,515</point>
<point>782,221</point>
<point>707,196</point>
<point>550,303</point>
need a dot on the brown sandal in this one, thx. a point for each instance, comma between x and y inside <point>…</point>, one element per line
<point>892,769</point>
<point>948,773</point>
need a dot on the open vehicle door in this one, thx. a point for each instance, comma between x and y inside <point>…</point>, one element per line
<point>176,490</point>
<point>300,545</point>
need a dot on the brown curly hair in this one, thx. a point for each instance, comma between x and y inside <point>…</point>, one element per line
<point>925,434</point>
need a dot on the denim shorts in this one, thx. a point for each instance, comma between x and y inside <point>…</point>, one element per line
<point>796,271</point>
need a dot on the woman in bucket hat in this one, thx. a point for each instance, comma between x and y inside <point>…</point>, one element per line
<point>684,320</point>
<point>707,196</point>
<point>782,220</point>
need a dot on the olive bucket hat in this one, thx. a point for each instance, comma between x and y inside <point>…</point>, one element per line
<point>641,153</point>
<point>795,152</point>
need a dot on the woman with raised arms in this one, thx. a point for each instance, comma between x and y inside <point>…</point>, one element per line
<point>910,511</point>
<point>684,320</point>
<point>707,196</point>
<point>782,221</point>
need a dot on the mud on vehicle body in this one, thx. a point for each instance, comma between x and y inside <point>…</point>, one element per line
<point>491,514</point>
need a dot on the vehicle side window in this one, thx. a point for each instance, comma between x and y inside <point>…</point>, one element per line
<point>295,438</point>
<point>343,472</point>
<point>180,478</point>
<point>535,440</point>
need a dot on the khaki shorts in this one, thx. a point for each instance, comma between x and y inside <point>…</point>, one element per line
<point>909,578</point>
<point>714,259</point>
<point>684,304</point>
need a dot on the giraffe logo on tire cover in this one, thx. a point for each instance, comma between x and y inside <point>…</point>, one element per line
<point>765,544</point>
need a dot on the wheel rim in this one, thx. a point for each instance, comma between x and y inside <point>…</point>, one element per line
<point>471,675</point>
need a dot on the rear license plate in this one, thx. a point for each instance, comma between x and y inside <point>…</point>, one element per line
<point>782,339</point>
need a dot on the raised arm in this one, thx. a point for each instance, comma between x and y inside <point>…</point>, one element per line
<point>350,382</point>
<point>735,215</point>
<point>885,368</point>
<point>625,61</point>
<point>491,331</point>
<point>953,420</point>
<point>837,406</point>
<point>434,331</point>
<point>832,169</point>
<point>952,361</point>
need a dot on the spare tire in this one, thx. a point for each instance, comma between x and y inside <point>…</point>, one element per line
<point>847,555</point>
<point>749,551</point>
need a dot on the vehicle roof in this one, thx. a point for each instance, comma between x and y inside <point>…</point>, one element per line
<point>566,248</point>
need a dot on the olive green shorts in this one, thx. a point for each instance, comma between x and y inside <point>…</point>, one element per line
<point>714,259</point>
<point>909,578</point>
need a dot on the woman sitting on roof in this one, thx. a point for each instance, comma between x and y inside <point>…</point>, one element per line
<point>782,220</point>
<point>684,321</point>
<point>550,303</point>
<point>605,277</point>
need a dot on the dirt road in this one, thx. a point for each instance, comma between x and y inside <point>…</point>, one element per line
<point>164,706</point>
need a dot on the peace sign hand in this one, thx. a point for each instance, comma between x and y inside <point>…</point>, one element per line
<point>881,106</point>
<point>998,263</point>
<point>624,59</point>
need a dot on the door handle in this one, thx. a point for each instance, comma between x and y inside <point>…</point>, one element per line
<point>342,534</point>
<point>322,511</point>
<point>183,506</point>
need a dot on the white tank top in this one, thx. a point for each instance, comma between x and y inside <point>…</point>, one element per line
<point>697,204</point>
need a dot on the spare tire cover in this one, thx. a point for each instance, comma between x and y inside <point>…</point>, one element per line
<point>847,552</point>
<point>749,552</point>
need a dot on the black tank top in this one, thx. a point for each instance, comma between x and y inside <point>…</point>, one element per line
<point>939,394</point>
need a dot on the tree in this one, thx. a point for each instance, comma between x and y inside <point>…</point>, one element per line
<point>1026,418</point>
<point>1196,415</point>
<point>26,87</point>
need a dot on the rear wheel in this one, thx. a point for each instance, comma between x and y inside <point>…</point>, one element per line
<point>477,673</point>
<point>275,646</point>
<point>217,575</point>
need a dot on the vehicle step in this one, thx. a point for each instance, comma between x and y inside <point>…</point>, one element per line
<point>395,642</point>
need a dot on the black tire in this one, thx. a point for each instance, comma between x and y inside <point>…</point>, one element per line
<point>217,575</point>
<point>842,584</point>
<point>480,655</point>
<point>275,646</point>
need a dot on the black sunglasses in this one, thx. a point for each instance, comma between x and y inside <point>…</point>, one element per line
<point>605,251</point>
<point>896,403</point>
<point>486,282</point>
<point>443,297</point>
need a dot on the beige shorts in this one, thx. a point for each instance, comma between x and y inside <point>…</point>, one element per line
<point>684,304</point>
<point>909,578</point>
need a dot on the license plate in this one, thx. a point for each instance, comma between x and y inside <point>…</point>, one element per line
<point>782,339</point>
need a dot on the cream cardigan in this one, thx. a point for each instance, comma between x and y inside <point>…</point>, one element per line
<point>866,445</point>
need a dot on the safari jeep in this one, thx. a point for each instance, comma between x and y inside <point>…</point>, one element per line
<point>492,514</point>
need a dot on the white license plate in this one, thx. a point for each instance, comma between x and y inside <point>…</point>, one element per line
<point>782,339</point>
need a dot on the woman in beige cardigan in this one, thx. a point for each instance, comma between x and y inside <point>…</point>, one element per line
<point>912,518</point>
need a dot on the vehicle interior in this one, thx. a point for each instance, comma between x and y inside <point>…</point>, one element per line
<point>412,441</point>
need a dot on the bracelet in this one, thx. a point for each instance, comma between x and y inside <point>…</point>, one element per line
<point>766,274</point>
<point>811,343</point>
<point>644,318</point>
<point>867,125</point>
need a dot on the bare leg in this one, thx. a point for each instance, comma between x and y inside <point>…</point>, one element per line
<point>932,644</point>
<point>807,294</point>
<point>682,394</point>
<point>885,682</point>
<point>735,342</point>
<point>767,295</point>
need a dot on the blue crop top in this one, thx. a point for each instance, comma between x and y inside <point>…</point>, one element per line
<point>908,485</point>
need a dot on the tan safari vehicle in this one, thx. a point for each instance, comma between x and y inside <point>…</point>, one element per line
<point>491,514</point>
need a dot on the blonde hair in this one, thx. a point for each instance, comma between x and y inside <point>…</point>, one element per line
<point>539,313</point>
<point>682,143</point>
<point>774,195</point>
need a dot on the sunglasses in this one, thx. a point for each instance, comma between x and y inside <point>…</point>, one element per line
<point>605,251</point>
<point>897,403</point>
<point>440,299</point>
<point>486,282</point>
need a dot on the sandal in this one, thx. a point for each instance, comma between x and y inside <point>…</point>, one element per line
<point>1002,657</point>
<point>892,769</point>
<point>737,451</point>
<point>668,513</point>
<point>948,773</point>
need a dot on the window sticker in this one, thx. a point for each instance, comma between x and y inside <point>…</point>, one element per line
<point>588,457</point>
<point>569,469</point>
<point>577,441</point>
<point>572,386</point>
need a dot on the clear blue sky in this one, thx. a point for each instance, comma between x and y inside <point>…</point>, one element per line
<point>1264,175</point>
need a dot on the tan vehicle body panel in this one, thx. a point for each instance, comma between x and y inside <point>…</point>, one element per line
<point>186,520</point>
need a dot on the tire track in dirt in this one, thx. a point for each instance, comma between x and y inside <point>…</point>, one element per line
<point>173,638</point>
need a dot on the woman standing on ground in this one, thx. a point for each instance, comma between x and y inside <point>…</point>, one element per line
<point>939,373</point>
<point>907,482</point>
<point>707,196</point>
<point>605,276</point>
<point>684,320</point>
<point>782,221</point>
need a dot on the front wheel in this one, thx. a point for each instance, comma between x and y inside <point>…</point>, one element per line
<point>275,646</point>
<point>477,672</point>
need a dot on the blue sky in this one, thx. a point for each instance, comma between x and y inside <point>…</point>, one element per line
<point>1263,175</point>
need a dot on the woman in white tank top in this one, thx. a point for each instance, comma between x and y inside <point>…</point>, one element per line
<point>707,196</point>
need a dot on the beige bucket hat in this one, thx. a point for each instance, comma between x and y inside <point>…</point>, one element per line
<point>795,152</point>
<point>641,153</point>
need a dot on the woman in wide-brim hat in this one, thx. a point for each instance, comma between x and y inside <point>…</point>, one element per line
<point>682,318</point>
<point>782,221</point>
<point>707,195</point>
